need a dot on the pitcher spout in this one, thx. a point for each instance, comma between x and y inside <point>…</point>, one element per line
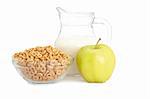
<point>68,18</point>
<point>60,10</point>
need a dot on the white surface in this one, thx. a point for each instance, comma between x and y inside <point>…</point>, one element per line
<point>30,23</point>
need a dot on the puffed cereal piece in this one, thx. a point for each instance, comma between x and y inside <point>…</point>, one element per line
<point>41,67</point>
<point>40,76</point>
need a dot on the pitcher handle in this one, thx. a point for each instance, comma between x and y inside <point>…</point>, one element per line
<point>107,25</point>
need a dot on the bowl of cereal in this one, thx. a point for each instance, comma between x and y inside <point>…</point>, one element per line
<point>42,64</point>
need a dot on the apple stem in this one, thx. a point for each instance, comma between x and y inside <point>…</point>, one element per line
<point>97,43</point>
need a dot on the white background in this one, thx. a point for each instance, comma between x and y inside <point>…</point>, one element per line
<point>28,23</point>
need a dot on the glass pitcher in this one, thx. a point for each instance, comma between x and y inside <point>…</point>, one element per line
<point>77,31</point>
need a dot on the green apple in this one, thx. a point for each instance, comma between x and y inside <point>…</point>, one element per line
<point>96,62</point>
